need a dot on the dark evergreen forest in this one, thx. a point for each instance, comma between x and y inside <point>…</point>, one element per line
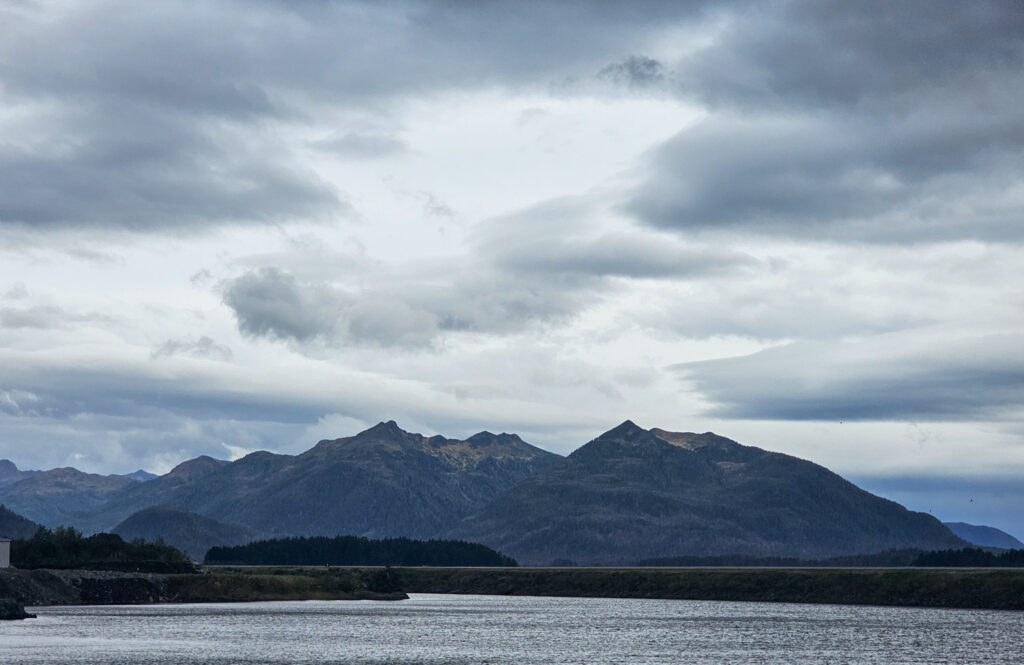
<point>356,551</point>
<point>971,557</point>
<point>65,547</point>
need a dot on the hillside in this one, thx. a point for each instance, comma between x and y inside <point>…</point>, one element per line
<point>192,534</point>
<point>381,482</point>
<point>172,488</point>
<point>61,496</point>
<point>984,536</point>
<point>10,473</point>
<point>356,551</point>
<point>633,494</point>
<point>13,525</point>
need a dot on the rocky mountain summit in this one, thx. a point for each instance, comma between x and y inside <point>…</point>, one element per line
<point>633,494</point>
<point>381,482</point>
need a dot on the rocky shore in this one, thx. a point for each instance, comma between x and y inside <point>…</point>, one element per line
<point>1001,589</point>
<point>82,587</point>
<point>974,588</point>
<point>102,587</point>
<point>12,609</point>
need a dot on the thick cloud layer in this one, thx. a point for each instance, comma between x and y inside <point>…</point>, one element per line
<point>877,122</point>
<point>885,378</point>
<point>160,117</point>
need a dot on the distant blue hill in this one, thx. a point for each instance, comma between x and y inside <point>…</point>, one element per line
<point>141,475</point>
<point>984,536</point>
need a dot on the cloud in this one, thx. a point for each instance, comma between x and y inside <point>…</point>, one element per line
<point>45,317</point>
<point>904,376</point>
<point>146,170</point>
<point>176,117</point>
<point>876,55</point>
<point>363,145</point>
<point>838,121</point>
<point>64,389</point>
<point>17,291</point>
<point>623,254</point>
<point>836,179</point>
<point>17,402</point>
<point>204,347</point>
<point>269,302</point>
<point>523,272</point>
<point>635,72</point>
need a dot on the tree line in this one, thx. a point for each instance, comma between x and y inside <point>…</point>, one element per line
<point>968,557</point>
<point>358,551</point>
<point>971,557</point>
<point>65,547</point>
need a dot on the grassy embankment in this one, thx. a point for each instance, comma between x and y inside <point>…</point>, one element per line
<point>979,588</point>
<point>955,588</point>
<point>262,584</point>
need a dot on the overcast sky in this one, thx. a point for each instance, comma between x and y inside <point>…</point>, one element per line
<point>230,226</point>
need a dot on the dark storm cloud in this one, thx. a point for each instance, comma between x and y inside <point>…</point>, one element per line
<point>880,379</point>
<point>879,122</point>
<point>163,115</point>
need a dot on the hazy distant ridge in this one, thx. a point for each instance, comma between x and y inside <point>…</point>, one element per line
<point>984,536</point>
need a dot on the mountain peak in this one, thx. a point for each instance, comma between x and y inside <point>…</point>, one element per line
<point>196,467</point>
<point>140,475</point>
<point>485,438</point>
<point>389,428</point>
<point>628,430</point>
<point>627,439</point>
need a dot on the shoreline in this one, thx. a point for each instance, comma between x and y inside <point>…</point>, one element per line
<point>45,587</point>
<point>963,588</point>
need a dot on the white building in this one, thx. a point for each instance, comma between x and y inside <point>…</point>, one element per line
<point>5,553</point>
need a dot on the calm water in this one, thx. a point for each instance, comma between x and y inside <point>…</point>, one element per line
<point>492,629</point>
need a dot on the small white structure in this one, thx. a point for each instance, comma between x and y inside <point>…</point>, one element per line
<point>5,553</point>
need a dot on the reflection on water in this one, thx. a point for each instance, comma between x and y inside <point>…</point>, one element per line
<point>524,631</point>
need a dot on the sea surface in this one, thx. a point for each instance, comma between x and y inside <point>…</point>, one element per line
<point>520,630</point>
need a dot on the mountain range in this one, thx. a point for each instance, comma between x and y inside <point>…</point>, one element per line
<point>629,494</point>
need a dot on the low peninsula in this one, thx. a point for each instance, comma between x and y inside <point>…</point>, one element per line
<point>965,588</point>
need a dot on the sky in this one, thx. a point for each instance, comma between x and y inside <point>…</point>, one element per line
<point>233,226</point>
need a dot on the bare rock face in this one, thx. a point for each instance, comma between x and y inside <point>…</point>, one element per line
<point>633,494</point>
